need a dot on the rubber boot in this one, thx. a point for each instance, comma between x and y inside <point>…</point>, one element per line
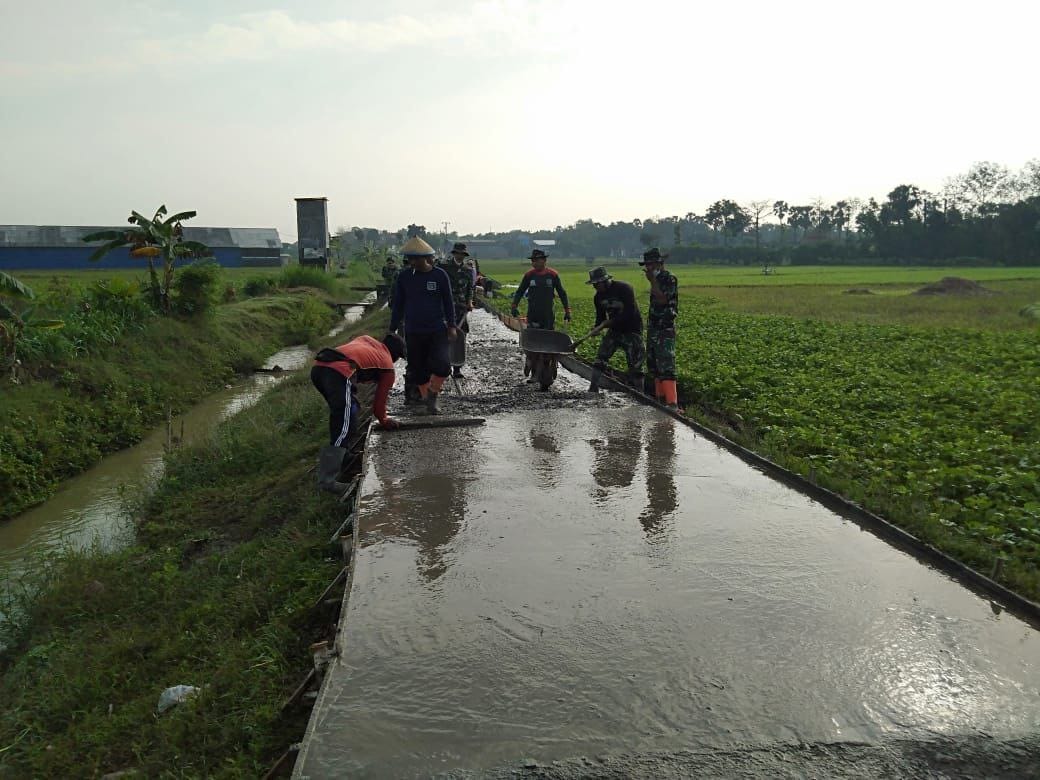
<point>594,380</point>
<point>671,394</point>
<point>330,461</point>
<point>433,392</point>
<point>431,403</point>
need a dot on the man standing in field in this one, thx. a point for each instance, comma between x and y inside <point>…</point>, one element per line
<point>541,285</point>
<point>660,327</point>
<point>422,301</point>
<point>461,277</point>
<point>389,275</point>
<point>616,310</point>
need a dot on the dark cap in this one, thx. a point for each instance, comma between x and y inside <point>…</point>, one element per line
<point>598,274</point>
<point>459,249</point>
<point>652,255</point>
<point>538,254</point>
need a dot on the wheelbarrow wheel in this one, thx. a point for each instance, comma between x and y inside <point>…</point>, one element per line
<point>545,371</point>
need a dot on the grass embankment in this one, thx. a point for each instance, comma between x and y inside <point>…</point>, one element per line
<point>65,420</point>
<point>116,368</point>
<point>216,591</point>
<point>920,408</point>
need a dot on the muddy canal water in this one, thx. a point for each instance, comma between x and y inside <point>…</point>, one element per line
<point>589,582</point>
<point>90,508</point>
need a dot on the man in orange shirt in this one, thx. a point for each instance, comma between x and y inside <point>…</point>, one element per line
<point>335,373</point>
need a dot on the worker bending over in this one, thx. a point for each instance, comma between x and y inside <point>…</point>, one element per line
<point>336,374</point>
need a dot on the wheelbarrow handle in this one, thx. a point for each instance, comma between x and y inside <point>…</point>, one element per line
<point>598,329</point>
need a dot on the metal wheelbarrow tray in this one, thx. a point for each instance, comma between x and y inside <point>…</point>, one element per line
<point>549,341</point>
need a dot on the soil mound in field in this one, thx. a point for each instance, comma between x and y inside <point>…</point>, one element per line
<point>953,285</point>
<point>859,291</point>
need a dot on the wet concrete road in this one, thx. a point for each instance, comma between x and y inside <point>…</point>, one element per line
<point>586,581</point>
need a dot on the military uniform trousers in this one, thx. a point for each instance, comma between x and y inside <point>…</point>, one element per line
<point>660,350</point>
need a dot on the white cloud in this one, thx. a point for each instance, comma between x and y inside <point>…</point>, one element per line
<point>486,28</point>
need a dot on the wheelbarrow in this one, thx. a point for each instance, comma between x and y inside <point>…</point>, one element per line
<point>542,347</point>
<point>457,354</point>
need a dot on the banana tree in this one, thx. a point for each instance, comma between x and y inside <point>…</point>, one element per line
<point>159,237</point>
<point>16,318</point>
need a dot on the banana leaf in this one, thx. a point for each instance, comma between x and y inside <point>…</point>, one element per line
<point>13,288</point>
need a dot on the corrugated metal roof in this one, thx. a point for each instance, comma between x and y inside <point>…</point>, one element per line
<point>67,235</point>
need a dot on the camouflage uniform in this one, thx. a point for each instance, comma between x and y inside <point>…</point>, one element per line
<point>461,278</point>
<point>617,303</point>
<point>389,277</point>
<point>660,329</point>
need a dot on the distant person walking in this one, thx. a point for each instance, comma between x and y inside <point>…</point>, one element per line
<point>422,302</point>
<point>660,327</point>
<point>336,374</point>
<point>389,273</point>
<point>616,307</point>
<point>462,286</point>
<point>541,285</point>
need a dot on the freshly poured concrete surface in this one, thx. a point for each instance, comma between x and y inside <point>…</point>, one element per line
<point>602,582</point>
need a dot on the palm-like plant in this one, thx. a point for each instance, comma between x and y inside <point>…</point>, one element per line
<point>161,237</point>
<point>15,319</point>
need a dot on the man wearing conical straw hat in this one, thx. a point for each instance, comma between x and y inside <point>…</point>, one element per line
<point>423,301</point>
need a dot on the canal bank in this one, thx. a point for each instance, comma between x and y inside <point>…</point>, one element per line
<point>589,582</point>
<point>216,589</point>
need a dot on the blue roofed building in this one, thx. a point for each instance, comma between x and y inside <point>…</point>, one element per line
<point>57,247</point>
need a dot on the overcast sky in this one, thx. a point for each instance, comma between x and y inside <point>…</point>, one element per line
<point>499,113</point>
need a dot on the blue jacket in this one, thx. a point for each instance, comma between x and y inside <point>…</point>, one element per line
<point>423,301</point>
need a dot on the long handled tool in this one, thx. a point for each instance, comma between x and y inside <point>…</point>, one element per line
<point>594,332</point>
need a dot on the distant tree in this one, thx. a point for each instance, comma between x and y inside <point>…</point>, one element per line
<point>649,239</point>
<point>781,211</point>
<point>1027,183</point>
<point>980,189</point>
<point>727,217</point>
<point>840,216</point>
<point>756,209</point>
<point>801,217</point>
<point>416,230</point>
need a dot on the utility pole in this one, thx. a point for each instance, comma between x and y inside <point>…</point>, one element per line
<point>445,223</point>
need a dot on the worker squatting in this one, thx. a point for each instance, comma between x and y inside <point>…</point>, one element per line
<point>429,303</point>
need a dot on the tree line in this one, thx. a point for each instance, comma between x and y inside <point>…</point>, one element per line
<point>990,214</point>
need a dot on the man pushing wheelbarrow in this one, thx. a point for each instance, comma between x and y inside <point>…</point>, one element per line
<point>540,285</point>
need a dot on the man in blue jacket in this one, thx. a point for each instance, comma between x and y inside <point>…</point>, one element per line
<point>423,300</point>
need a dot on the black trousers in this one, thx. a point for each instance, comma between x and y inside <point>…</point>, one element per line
<point>343,405</point>
<point>427,356</point>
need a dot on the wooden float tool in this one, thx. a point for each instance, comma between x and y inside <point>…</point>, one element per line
<point>414,424</point>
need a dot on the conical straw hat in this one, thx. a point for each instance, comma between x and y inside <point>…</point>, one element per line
<point>416,246</point>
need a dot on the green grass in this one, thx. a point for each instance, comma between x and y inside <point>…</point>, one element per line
<point>216,590</point>
<point>576,271</point>
<point>71,414</point>
<point>231,552</point>
<point>804,296</point>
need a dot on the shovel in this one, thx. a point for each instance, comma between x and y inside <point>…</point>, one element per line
<point>594,332</point>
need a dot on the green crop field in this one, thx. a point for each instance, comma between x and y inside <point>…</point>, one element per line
<point>922,408</point>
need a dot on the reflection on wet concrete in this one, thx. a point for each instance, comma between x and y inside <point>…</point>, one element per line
<point>659,595</point>
<point>661,495</point>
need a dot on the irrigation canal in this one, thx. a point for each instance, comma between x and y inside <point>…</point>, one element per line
<point>90,508</point>
<point>585,587</point>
